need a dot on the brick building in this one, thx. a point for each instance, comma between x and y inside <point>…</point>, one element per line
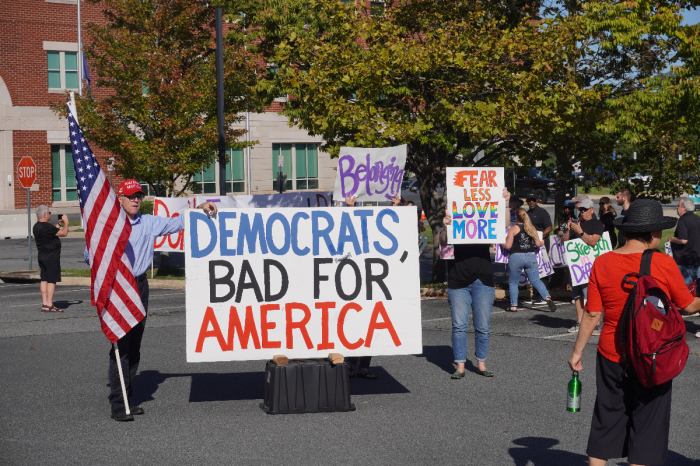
<point>39,62</point>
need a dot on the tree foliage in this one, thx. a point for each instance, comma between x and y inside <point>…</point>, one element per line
<point>154,96</point>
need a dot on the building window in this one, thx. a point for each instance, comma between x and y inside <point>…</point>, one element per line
<point>207,179</point>
<point>377,8</point>
<point>63,174</point>
<point>147,189</point>
<point>300,163</point>
<point>63,70</point>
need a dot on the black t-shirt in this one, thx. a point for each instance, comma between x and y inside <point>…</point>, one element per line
<point>522,242</point>
<point>689,229</point>
<point>472,262</point>
<point>608,218</point>
<point>47,243</point>
<point>591,227</point>
<point>621,240</point>
<point>540,218</point>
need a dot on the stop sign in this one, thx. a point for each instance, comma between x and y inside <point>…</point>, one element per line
<point>26,172</point>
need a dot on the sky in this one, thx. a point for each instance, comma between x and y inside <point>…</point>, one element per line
<point>691,17</point>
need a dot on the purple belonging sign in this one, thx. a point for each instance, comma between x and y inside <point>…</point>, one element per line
<point>370,174</point>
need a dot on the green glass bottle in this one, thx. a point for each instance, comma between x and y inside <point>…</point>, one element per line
<point>573,398</point>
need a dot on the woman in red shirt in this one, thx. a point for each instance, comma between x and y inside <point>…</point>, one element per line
<point>629,420</point>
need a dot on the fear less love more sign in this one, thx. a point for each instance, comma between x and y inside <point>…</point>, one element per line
<point>301,282</point>
<point>478,209</point>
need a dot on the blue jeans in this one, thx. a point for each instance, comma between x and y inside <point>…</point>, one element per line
<point>690,273</point>
<point>518,262</point>
<point>478,298</point>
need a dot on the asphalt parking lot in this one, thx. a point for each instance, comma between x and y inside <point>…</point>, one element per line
<point>54,406</point>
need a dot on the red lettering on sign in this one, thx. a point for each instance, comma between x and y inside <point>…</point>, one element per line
<point>204,332</point>
<point>492,179</point>
<point>385,325</point>
<point>158,242</point>
<point>244,333</point>
<point>484,178</point>
<point>265,326</point>
<point>341,323</point>
<point>325,344</point>
<point>301,325</point>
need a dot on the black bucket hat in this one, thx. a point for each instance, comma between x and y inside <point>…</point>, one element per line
<point>644,215</point>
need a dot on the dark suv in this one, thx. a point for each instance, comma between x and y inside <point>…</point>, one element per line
<point>523,182</point>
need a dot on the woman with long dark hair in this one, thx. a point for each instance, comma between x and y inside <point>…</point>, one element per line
<point>629,420</point>
<point>607,215</point>
<point>522,241</point>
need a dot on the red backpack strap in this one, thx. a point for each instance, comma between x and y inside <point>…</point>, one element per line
<point>645,265</point>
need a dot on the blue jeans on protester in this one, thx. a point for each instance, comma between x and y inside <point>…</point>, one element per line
<point>478,298</point>
<point>690,273</point>
<point>527,261</point>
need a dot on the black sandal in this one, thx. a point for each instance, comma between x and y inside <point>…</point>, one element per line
<point>351,371</point>
<point>366,375</point>
<point>55,309</point>
<point>512,309</point>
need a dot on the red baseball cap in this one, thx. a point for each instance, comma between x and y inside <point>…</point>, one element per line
<point>129,187</point>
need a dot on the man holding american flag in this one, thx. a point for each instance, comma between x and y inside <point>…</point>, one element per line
<point>119,249</point>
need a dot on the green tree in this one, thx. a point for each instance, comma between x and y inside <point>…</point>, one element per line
<point>154,93</point>
<point>449,78</point>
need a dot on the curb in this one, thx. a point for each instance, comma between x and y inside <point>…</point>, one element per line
<point>33,277</point>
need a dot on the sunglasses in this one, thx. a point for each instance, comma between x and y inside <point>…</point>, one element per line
<point>134,197</point>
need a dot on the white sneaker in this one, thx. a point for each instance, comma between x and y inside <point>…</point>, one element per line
<point>697,335</point>
<point>574,329</point>
<point>596,330</point>
<point>542,302</point>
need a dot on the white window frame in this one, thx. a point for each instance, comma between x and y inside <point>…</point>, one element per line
<point>62,167</point>
<point>293,176</point>
<point>62,71</point>
<point>216,181</point>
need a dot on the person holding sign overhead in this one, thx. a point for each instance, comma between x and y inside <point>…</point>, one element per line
<point>470,287</point>
<point>523,242</point>
<point>590,230</point>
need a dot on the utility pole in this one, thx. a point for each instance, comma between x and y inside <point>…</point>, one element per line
<point>220,101</point>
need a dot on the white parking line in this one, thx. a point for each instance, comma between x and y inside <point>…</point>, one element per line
<point>559,336</point>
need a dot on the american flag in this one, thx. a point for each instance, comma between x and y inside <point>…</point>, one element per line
<point>107,229</point>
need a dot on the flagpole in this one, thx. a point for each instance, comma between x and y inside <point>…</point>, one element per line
<point>121,378</point>
<point>80,54</point>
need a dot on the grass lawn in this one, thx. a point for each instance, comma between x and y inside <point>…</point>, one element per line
<point>596,191</point>
<point>163,273</point>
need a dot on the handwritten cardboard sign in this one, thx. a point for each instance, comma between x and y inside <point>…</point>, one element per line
<point>171,207</point>
<point>370,174</point>
<point>557,252</point>
<point>301,282</point>
<point>580,257</point>
<point>475,196</point>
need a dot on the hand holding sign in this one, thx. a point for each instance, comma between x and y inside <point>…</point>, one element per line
<point>370,174</point>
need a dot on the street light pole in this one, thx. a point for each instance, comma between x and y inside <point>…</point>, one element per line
<point>220,101</point>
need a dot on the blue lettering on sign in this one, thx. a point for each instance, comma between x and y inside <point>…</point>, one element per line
<point>194,240</point>
<point>492,228</point>
<point>380,226</point>
<point>271,238</point>
<point>363,214</point>
<point>246,233</point>
<point>325,233</point>
<point>458,227</point>
<point>295,234</point>
<point>225,234</point>
<point>347,234</point>
<point>482,229</point>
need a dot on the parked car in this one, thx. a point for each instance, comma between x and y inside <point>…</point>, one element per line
<point>645,178</point>
<point>532,181</point>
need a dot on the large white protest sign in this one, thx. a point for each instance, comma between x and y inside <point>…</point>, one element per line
<point>580,257</point>
<point>370,174</point>
<point>478,207</point>
<point>171,207</point>
<point>301,282</point>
